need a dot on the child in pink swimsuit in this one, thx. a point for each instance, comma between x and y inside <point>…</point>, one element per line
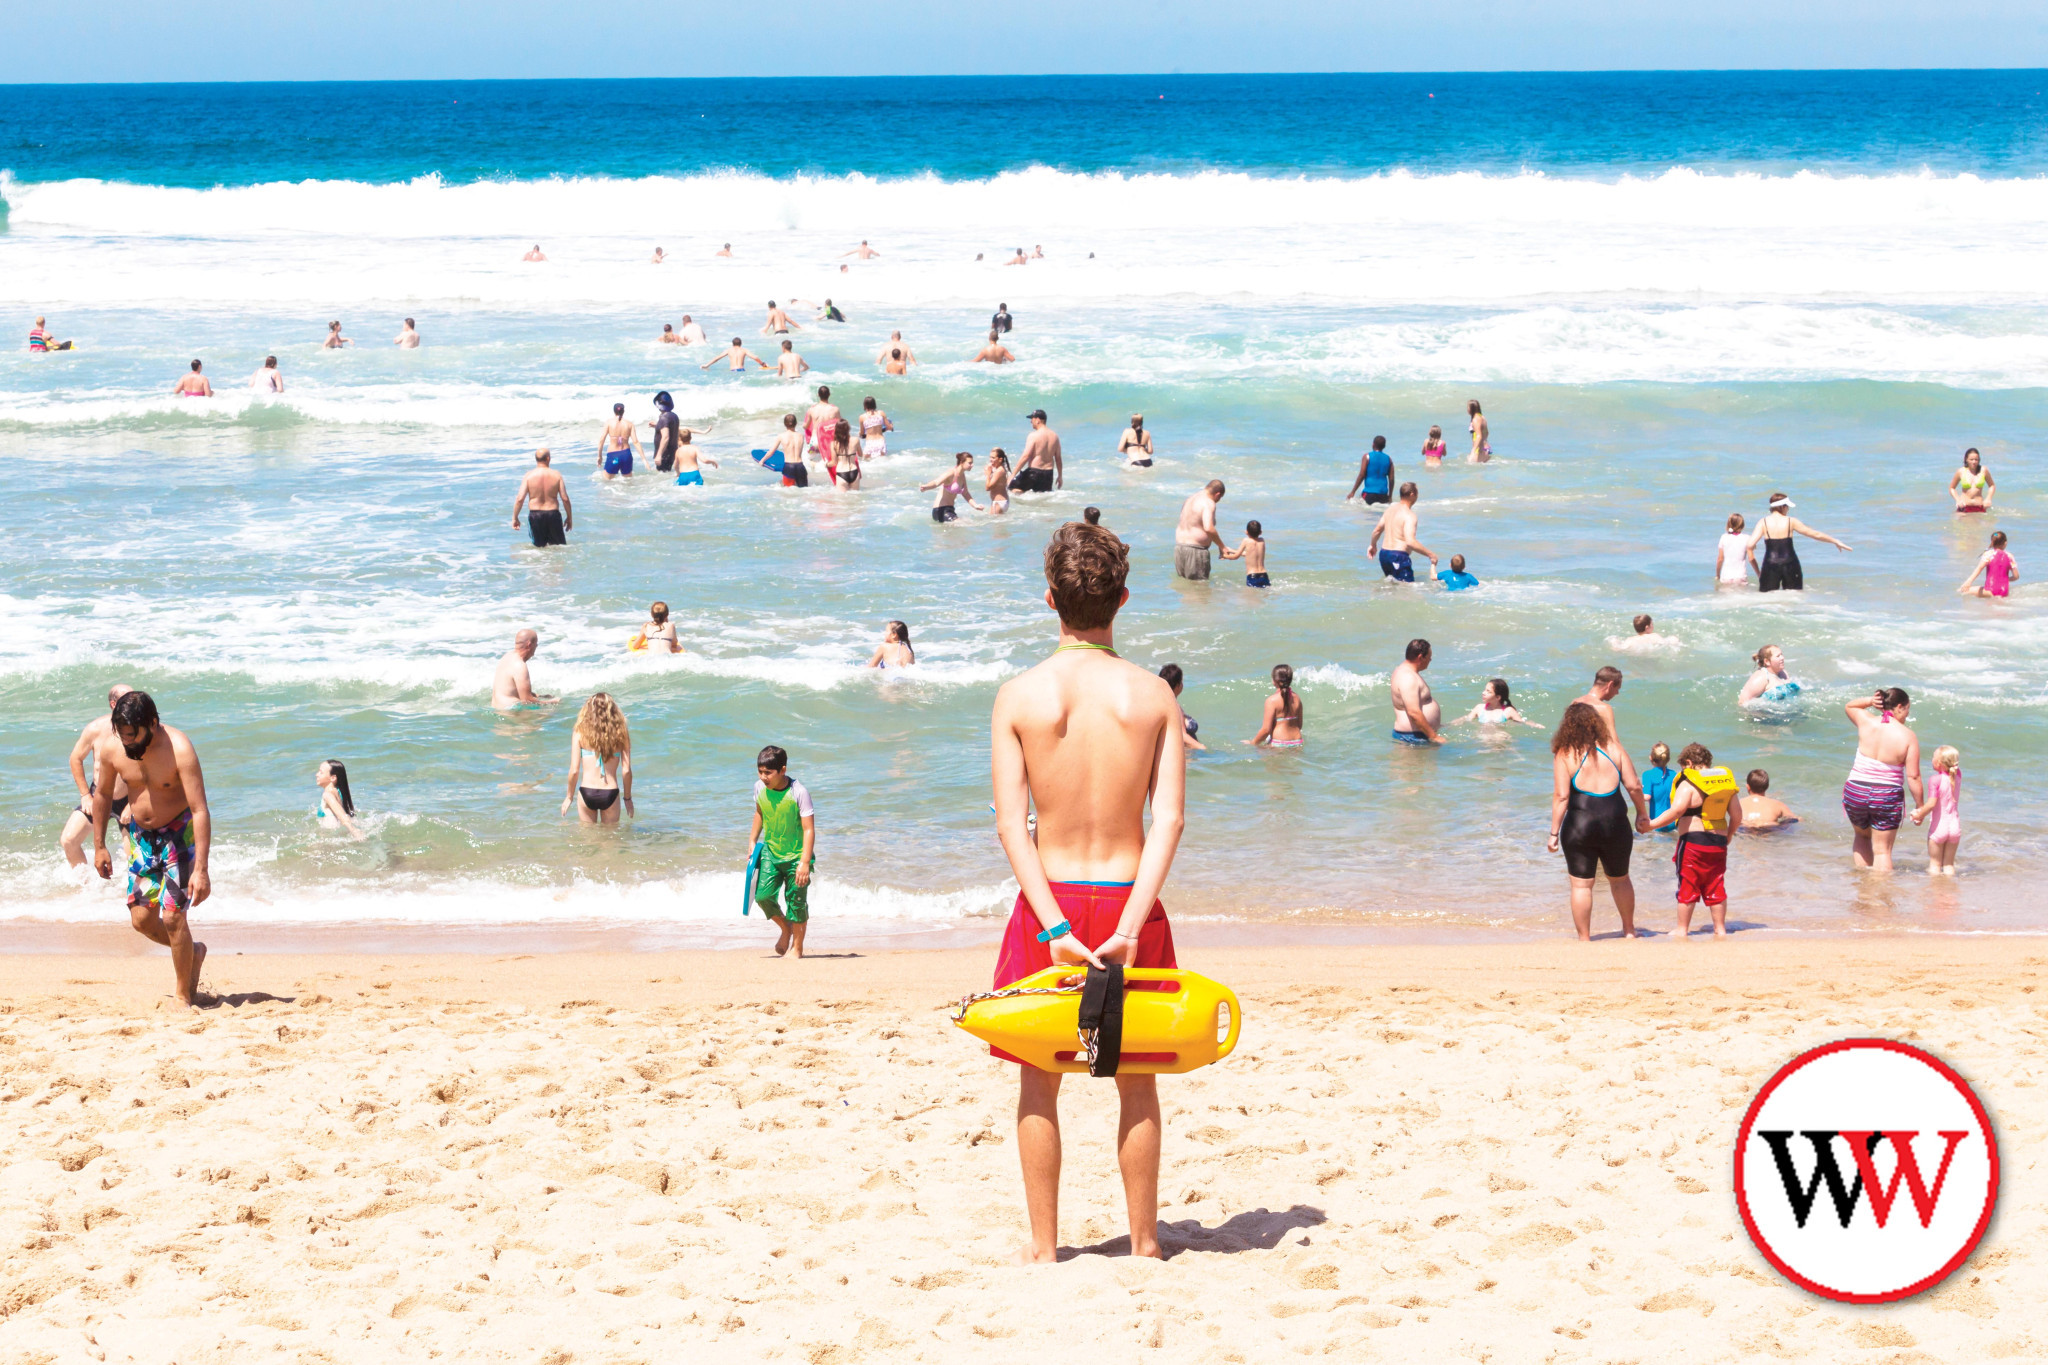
<point>1943,799</point>
<point>1999,570</point>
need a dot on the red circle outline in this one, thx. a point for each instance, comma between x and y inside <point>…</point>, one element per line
<point>1947,1073</point>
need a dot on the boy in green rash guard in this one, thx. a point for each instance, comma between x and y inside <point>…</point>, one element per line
<point>784,823</point>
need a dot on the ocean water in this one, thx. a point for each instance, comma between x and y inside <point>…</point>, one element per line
<point>1674,294</point>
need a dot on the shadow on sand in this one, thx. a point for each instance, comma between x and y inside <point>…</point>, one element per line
<point>1258,1230</point>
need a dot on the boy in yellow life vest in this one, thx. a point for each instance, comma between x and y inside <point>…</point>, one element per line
<point>1706,806</point>
<point>785,834</point>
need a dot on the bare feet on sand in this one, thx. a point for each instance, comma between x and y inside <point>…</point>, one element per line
<point>782,943</point>
<point>188,991</point>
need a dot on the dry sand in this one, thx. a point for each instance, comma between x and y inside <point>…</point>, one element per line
<point>1505,1154</point>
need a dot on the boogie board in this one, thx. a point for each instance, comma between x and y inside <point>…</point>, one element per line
<point>753,875</point>
<point>1173,1020</point>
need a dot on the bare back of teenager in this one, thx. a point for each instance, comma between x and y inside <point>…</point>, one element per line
<point>1089,740</point>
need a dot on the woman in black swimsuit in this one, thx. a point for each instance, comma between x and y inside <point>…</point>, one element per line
<point>1589,817</point>
<point>600,763</point>
<point>1780,567</point>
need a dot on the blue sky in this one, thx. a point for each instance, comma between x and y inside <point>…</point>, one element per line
<point>129,40</point>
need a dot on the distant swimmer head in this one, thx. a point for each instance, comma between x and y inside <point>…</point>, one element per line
<point>1644,625</point>
<point>1998,540</point>
<point>1457,563</point>
<point>1660,753</point>
<point>334,773</point>
<point>542,456</point>
<point>1695,755</point>
<point>1254,530</point>
<point>964,459</point>
<point>618,409</point>
<point>1085,568</point>
<point>683,435</point>
<point>1436,433</point>
<point>1418,652</point>
<point>824,393</point>
<point>116,692</point>
<point>789,345</point>
<point>663,401</point>
<point>843,429</point>
<point>896,631</point>
<point>1607,681</point>
<point>1971,458</point>
<point>1893,702</point>
<point>1036,414</point>
<point>658,613</point>
<point>686,319</point>
<point>1214,488</point>
<point>1173,676</point>
<point>998,457</point>
<point>195,367</point>
<point>1771,657</point>
<point>1409,492</point>
<point>668,329</point>
<point>526,643</point>
<point>408,322</point>
<point>895,353</point>
<point>867,404</point>
<point>1781,503</point>
<point>789,421</point>
<point>1497,689</point>
<point>1759,781</point>
<point>773,758</point>
<point>1092,515</point>
<point>1283,679</point>
<point>1379,443</point>
<point>334,326</point>
<point>1472,407</point>
<point>1137,420</point>
<point>1735,522</point>
<point>737,342</point>
<point>993,334</point>
<point>270,362</point>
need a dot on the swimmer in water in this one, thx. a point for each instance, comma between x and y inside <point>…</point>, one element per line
<point>737,354</point>
<point>896,353</point>
<point>1189,729</point>
<point>408,338</point>
<point>335,340</point>
<point>268,379</point>
<point>691,333</point>
<point>1416,713</point>
<point>997,485</point>
<point>600,763</point>
<point>668,335</point>
<point>874,428</point>
<point>1946,797</point>
<point>657,259</point>
<point>779,322</point>
<point>1734,556</point>
<point>1092,515</point>
<point>688,461</point>
<point>895,650</point>
<point>1482,434</point>
<point>842,456</point>
<point>1281,725</point>
<point>1999,570</point>
<point>658,633</point>
<point>1972,486</point>
<point>512,684</point>
<point>195,385</point>
<point>1645,638</point>
<point>790,365</point>
<point>1135,445</point>
<point>1657,779</point>
<point>1252,550</point>
<point>1887,755</point>
<point>951,485</point>
<point>1781,569</point>
<point>995,353</point>
<point>864,251</point>
<point>725,250</point>
<point>1434,449</point>
<point>1761,812</point>
<point>1496,707</point>
<point>617,445</point>
<point>335,809</point>
<point>1769,683</point>
<point>535,254</point>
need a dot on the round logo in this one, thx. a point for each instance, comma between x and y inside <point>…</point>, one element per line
<point>1866,1170</point>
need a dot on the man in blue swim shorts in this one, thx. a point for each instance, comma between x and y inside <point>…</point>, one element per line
<point>1394,539</point>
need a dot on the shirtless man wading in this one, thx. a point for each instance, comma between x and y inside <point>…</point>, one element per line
<point>1394,538</point>
<point>1600,696</point>
<point>1086,738</point>
<point>512,685</point>
<point>779,323</point>
<point>546,500</point>
<point>1197,532</point>
<point>170,830</point>
<point>1040,468</point>
<point>906,358</point>
<point>79,823</point>
<point>1416,714</point>
<point>737,354</point>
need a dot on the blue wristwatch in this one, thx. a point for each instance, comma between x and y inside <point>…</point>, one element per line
<point>1060,930</point>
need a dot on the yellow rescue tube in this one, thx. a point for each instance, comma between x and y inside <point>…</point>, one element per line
<point>1174,1020</point>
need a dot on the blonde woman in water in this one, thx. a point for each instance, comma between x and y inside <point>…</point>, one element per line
<point>600,763</point>
<point>1281,727</point>
<point>1482,434</point>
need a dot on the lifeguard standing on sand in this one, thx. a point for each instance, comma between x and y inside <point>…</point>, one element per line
<point>1087,738</point>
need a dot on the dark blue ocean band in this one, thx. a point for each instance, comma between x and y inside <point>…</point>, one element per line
<point>1060,930</point>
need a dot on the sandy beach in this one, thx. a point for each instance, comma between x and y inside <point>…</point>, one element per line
<point>1501,1153</point>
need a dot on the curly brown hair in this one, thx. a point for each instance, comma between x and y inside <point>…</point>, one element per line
<point>602,725</point>
<point>1581,731</point>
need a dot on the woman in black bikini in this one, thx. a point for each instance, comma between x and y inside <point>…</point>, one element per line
<point>600,763</point>
<point>1780,567</point>
<point>1589,815</point>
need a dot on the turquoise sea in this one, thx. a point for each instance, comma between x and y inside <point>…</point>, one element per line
<point>1673,294</point>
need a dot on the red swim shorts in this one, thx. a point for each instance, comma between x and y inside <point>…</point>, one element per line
<point>1700,870</point>
<point>1092,913</point>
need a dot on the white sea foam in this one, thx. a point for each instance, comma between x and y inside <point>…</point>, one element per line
<point>1375,238</point>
